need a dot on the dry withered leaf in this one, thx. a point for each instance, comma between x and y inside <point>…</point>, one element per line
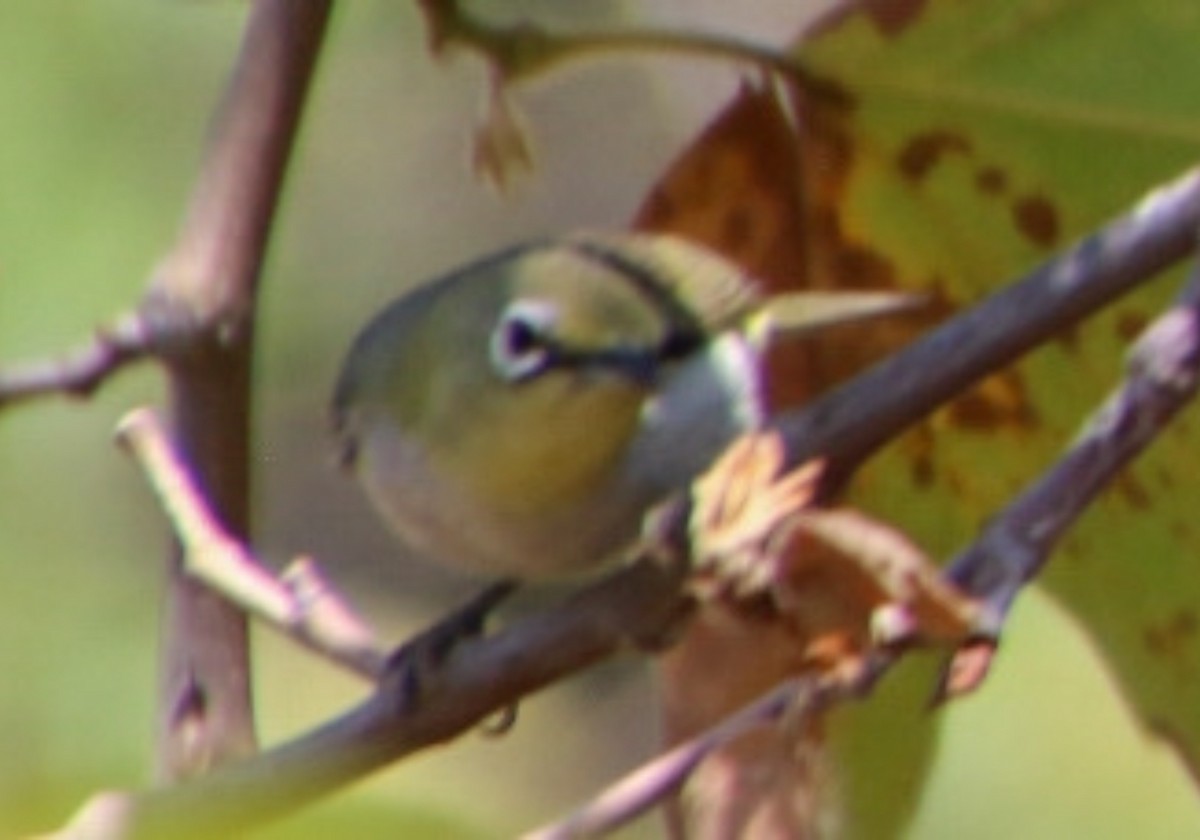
<point>851,584</point>
<point>762,184</point>
<point>966,670</point>
<point>742,513</point>
<point>843,580</point>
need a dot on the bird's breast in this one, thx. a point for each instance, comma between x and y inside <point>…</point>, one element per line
<point>701,404</point>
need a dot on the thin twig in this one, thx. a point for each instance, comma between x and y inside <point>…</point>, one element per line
<point>81,371</point>
<point>301,603</point>
<point>1164,371</point>
<point>796,700</point>
<point>1162,377</point>
<point>647,786</point>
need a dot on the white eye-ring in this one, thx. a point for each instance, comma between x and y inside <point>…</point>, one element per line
<point>521,344</point>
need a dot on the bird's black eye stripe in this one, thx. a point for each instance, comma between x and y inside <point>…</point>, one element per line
<point>678,345</point>
<point>640,364</point>
<point>674,347</point>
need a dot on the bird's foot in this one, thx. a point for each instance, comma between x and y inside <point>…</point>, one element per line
<point>414,665</point>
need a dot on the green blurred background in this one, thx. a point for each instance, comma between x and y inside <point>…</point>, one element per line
<point>103,110</point>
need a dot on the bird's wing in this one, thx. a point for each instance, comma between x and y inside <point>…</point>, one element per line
<point>802,313</point>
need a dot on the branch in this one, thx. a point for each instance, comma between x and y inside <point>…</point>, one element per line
<point>1162,377</point>
<point>795,701</point>
<point>1158,231</point>
<point>478,678</point>
<point>518,52</point>
<point>300,603</point>
<point>203,291</point>
<point>1165,364</point>
<point>197,318</point>
<point>647,786</point>
<point>207,284</point>
<point>526,49</point>
<point>81,371</point>
<point>848,424</point>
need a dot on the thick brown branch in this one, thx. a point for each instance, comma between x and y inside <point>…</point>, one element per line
<point>213,268</point>
<point>209,280</point>
<point>479,678</point>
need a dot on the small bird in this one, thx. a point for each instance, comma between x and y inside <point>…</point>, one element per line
<point>519,416</point>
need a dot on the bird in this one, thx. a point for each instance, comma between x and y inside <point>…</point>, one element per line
<point>518,417</point>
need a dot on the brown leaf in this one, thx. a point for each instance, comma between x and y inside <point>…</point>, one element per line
<point>869,582</point>
<point>748,187</point>
<point>773,783</point>
<point>755,189</point>
<point>966,670</point>
<point>843,580</point>
<point>743,511</point>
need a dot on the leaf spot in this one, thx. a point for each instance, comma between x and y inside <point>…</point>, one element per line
<point>991,180</point>
<point>1171,638</point>
<point>924,151</point>
<point>1132,491</point>
<point>1037,220</point>
<point>1130,325</point>
<point>1000,401</point>
<point>892,17</point>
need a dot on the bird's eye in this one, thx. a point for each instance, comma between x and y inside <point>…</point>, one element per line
<point>520,345</point>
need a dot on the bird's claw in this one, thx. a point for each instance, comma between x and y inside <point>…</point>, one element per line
<point>412,667</point>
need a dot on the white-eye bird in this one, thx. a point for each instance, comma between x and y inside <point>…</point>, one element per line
<point>519,416</point>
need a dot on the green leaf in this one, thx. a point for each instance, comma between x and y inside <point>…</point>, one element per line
<point>975,138</point>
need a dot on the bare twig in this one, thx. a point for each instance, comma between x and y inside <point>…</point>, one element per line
<point>635,794</point>
<point>79,372</point>
<point>647,786</point>
<point>205,286</point>
<point>197,318</point>
<point>1162,377</point>
<point>514,53</point>
<point>300,603</point>
<point>1164,371</point>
